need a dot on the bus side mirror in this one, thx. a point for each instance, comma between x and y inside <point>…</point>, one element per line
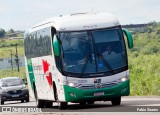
<point>56,46</point>
<point>129,38</point>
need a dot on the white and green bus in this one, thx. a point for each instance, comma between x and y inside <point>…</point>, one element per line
<point>79,58</point>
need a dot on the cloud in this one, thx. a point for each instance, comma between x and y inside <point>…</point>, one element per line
<point>40,6</point>
<point>14,14</point>
<point>2,8</point>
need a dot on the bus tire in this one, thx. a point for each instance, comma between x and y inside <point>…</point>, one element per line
<point>55,91</point>
<point>39,103</point>
<point>27,100</point>
<point>116,101</point>
<point>2,102</point>
<point>90,102</point>
<point>22,101</point>
<point>48,104</point>
<point>63,105</point>
<point>83,103</point>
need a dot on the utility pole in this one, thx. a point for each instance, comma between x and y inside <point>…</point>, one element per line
<point>11,60</point>
<point>17,60</point>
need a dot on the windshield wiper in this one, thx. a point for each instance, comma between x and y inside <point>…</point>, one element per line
<point>85,64</point>
<point>105,61</point>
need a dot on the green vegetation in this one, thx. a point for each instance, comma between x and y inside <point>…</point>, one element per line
<point>10,33</point>
<point>2,32</point>
<point>9,72</point>
<point>145,74</point>
<point>144,61</point>
<point>7,45</point>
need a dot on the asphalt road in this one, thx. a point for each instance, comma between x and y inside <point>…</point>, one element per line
<point>129,104</point>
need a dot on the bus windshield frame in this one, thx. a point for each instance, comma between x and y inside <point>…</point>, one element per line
<point>93,53</point>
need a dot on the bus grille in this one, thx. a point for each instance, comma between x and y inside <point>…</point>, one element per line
<point>97,86</point>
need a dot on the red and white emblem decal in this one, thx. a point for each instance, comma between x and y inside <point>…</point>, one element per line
<point>46,70</point>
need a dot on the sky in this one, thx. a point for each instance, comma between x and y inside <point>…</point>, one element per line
<point>23,14</point>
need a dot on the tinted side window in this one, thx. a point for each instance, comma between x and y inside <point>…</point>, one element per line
<point>38,43</point>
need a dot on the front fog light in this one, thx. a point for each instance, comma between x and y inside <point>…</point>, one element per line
<point>123,90</point>
<point>72,94</point>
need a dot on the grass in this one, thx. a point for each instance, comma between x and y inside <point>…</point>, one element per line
<point>5,51</point>
<point>9,73</point>
<point>144,65</point>
<point>145,74</point>
<point>7,45</point>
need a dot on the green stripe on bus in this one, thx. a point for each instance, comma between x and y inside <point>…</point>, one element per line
<point>30,72</point>
<point>77,95</point>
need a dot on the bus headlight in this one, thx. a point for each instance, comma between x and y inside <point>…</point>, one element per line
<point>72,84</point>
<point>122,79</point>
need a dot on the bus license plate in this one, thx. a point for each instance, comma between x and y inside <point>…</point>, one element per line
<point>15,95</point>
<point>99,94</point>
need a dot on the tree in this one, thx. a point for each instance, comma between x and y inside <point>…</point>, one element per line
<point>149,28</point>
<point>158,31</point>
<point>11,31</point>
<point>2,33</point>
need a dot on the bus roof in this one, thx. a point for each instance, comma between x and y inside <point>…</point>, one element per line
<point>79,21</point>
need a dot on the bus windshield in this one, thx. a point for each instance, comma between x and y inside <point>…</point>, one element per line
<point>94,51</point>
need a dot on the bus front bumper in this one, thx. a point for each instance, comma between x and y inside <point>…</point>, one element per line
<point>102,94</point>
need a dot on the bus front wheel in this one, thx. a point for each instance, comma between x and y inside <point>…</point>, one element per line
<point>116,101</point>
<point>48,104</point>
<point>1,102</point>
<point>63,105</point>
<point>90,102</point>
